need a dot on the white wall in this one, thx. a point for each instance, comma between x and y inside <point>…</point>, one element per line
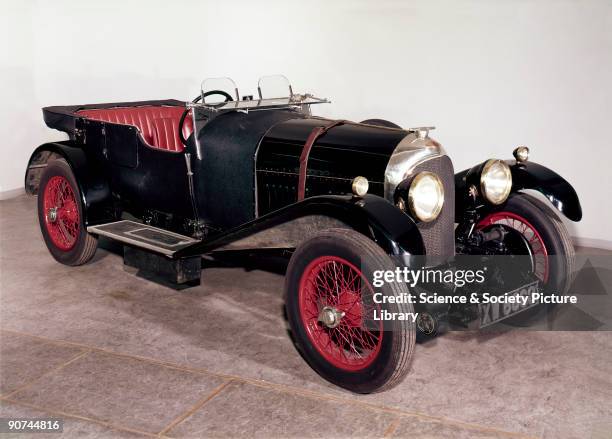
<point>489,75</point>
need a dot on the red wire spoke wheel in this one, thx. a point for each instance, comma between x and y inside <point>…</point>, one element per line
<point>60,214</point>
<point>529,232</point>
<point>62,218</point>
<point>335,322</point>
<point>336,308</point>
<point>549,242</point>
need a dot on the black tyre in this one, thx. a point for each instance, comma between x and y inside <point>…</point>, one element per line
<point>330,308</point>
<point>548,238</point>
<point>60,215</point>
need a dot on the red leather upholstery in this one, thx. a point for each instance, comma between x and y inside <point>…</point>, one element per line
<point>157,124</point>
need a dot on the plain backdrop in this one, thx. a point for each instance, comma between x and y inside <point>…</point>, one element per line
<point>490,75</point>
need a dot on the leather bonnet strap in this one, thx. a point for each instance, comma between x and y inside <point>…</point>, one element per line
<point>312,138</point>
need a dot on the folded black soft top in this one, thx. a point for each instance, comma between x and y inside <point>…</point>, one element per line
<point>62,117</point>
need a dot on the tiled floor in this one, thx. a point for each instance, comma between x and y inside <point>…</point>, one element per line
<point>119,356</point>
<point>124,395</point>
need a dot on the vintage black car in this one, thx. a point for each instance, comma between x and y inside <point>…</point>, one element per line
<point>173,181</point>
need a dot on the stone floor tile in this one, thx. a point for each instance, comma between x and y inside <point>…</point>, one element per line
<point>24,359</point>
<point>121,391</point>
<point>244,410</point>
<point>421,428</point>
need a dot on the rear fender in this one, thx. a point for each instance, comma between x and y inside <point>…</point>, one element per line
<point>393,230</point>
<point>95,190</point>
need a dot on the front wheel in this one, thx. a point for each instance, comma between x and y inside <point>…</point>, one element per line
<point>60,215</point>
<point>335,318</point>
<point>551,248</point>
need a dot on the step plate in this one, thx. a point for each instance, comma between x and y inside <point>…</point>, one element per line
<point>143,236</point>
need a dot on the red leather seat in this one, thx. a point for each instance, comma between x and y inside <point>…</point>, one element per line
<point>158,125</point>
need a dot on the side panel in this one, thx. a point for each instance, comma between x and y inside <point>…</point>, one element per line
<point>225,175</point>
<point>122,144</point>
<point>140,177</point>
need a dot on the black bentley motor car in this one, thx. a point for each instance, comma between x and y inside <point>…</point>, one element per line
<point>173,181</point>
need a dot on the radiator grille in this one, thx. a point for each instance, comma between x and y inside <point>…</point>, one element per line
<point>439,235</point>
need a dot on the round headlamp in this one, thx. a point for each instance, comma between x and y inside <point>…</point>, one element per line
<point>496,181</point>
<point>426,196</point>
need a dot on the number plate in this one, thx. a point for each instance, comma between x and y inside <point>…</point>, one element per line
<point>491,313</point>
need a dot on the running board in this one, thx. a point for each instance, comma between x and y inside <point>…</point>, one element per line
<point>151,251</point>
<point>143,236</point>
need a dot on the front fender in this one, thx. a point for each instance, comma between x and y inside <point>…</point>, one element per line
<point>393,230</point>
<point>526,175</point>
<point>95,191</point>
<point>561,194</point>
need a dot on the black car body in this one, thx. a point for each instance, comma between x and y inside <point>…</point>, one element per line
<point>266,173</point>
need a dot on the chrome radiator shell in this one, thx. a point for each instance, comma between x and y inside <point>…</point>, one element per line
<point>414,154</point>
<point>439,235</point>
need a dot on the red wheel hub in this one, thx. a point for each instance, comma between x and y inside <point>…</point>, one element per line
<point>61,211</point>
<point>335,301</point>
<point>521,225</point>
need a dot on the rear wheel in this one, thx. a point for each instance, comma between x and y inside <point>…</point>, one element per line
<point>60,215</point>
<point>334,318</point>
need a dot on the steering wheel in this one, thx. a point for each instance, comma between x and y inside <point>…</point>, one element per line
<point>198,98</point>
